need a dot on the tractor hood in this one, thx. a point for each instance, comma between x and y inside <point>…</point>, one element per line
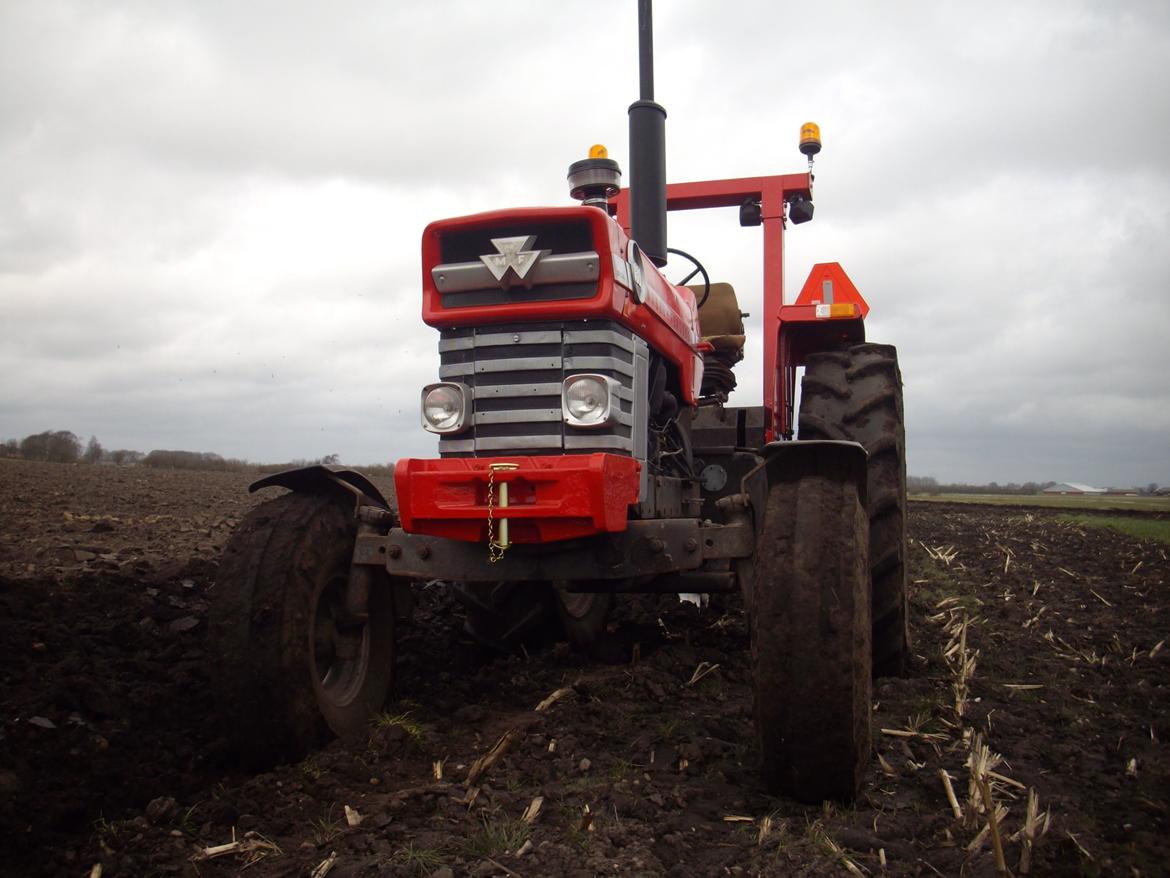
<point>560,263</point>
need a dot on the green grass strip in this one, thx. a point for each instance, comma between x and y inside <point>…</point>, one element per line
<point>1142,528</point>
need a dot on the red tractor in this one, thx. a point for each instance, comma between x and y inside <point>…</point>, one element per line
<point>586,451</point>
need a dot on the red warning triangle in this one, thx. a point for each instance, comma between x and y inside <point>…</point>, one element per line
<point>828,284</point>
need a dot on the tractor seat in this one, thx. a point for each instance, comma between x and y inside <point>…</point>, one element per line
<point>721,324</point>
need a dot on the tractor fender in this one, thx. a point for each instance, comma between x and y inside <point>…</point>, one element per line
<point>791,460</point>
<point>344,483</point>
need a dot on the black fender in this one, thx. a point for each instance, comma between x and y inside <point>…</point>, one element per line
<point>792,460</point>
<point>344,483</point>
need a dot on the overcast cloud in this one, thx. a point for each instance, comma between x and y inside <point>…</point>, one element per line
<point>210,212</point>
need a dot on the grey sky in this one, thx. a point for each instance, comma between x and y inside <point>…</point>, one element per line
<point>210,212</point>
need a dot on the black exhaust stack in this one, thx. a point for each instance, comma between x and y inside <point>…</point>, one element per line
<point>648,151</point>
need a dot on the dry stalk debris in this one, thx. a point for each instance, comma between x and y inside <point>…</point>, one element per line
<point>483,764</point>
<point>325,866</point>
<point>254,845</point>
<point>553,699</point>
<point>702,671</point>
<point>952,799</point>
<point>533,810</point>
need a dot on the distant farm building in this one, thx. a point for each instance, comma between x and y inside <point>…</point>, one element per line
<point>1073,488</point>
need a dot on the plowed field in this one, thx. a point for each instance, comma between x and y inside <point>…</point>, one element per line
<point>1040,651</point>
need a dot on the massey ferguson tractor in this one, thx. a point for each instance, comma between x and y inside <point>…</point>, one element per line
<point>585,451</point>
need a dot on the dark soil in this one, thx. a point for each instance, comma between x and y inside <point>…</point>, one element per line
<point>111,751</point>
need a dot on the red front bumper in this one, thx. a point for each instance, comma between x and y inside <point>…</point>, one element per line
<point>549,498</point>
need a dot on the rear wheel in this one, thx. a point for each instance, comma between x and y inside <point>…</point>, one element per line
<point>507,616</point>
<point>856,394</point>
<point>289,665</point>
<point>810,630</point>
<point>582,615</point>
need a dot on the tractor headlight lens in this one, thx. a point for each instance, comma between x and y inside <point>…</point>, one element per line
<point>589,400</point>
<point>444,407</point>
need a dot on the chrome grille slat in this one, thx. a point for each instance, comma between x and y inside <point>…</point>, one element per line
<point>514,338</point>
<point>591,336</point>
<point>507,391</point>
<point>517,416</point>
<point>515,372</point>
<point>597,364</point>
<point>517,443</point>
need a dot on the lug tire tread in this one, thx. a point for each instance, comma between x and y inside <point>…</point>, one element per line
<point>259,630</point>
<point>810,636</point>
<point>872,415</point>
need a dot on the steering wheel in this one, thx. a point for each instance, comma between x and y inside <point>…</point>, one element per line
<point>697,270</point>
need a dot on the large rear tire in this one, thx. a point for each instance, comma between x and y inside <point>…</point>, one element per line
<point>287,666</point>
<point>810,630</point>
<point>856,394</point>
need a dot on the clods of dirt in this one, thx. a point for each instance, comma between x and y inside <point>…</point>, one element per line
<point>1040,657</point>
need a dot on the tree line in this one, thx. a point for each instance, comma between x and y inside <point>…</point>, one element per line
<point>63,446</point>
<point>929,485</point>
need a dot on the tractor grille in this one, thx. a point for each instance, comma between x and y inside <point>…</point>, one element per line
<point>570,270</point>
<point>515,374</point>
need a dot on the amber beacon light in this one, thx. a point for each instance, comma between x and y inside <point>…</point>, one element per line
<point>810,139</point>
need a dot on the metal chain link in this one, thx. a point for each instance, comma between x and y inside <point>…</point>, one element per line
<point>495,550</point>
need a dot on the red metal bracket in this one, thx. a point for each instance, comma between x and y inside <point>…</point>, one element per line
<point>771,193</point>
<point>550,498</point>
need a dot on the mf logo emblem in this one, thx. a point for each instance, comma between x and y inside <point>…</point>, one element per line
<point>514,253</point>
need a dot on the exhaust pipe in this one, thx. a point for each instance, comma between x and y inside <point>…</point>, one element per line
<point>648,151</point>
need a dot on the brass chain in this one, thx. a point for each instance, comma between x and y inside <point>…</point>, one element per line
<point>495,550</point>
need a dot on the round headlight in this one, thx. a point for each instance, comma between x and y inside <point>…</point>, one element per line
<point>586,400</point>
<point>443,407</point>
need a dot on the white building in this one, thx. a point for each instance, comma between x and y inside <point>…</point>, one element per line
<point>1073,488</point>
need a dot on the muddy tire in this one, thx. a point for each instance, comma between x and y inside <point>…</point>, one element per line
<point>583,616</point>
<point>856,394</point>
<point>810,630</point>
<point>508,616</point>
<point>286,670</point>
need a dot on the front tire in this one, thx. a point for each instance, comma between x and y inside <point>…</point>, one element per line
<point>810,629</point>
<point>288,667</point>
<point>856,394</point>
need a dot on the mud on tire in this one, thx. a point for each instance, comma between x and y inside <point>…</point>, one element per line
<point>856,394</point>
<point>285,669</point>
<point>810,630</point>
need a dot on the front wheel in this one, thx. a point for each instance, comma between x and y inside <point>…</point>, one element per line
<point>810,630</point>
<point>289,665</point>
